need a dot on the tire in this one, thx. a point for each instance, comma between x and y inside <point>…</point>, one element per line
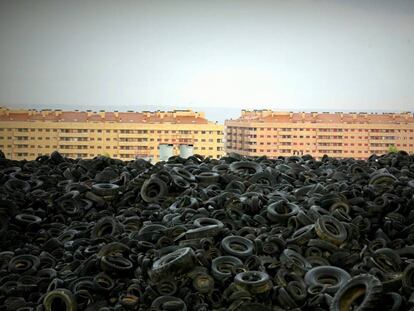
<point>24,264</point>
<point>255,282</point>
<point>14,184</point>
<point>293,260</point>
<point>245,168</point>
<point>206,227</point>
<point>153,190</point>
<point>222,266</point>
<point>348,296</point>
<point>237,246</point>
<point>168,303</point>
<point>208,178</point>
<point>105,189</point>
<point>297,291</point>
<point>263,178</point>
<point>408,279</point>
<point>330,277</point>
<point>382,178</point>
<point>331,230</point>
<point>302,235</point>
<point>391,301</point>
<point>236,186</point>
<point>106,226</point>
<point>70,207</point>
<point>387,260</point>
<point>167,287</point>
<point>174,263</point>
<point>116,264</point>
<point>281,211</point>
<point>180,183</point>
<point>60,299</point>
<point>184,173</point>
<point>27,219</point>
<point>203,283</point>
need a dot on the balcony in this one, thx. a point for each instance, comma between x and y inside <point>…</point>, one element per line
<point>76,135</point>
<point>74,143</point>
<point>134,143</point>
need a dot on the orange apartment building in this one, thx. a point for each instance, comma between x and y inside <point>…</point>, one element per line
<point>26,134</point>
<point>341,135</point>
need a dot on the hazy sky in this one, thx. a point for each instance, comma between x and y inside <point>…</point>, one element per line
<point>280,54</point>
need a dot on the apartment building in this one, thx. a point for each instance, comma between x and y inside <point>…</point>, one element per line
<point>342,135</point>
<point>27,134</point>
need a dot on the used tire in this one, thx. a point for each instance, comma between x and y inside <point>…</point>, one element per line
<point>362,293</point>
<point>329,277</point>
<point>60,300</point>
<point>330,229</point>
<point>174,263</point>
<point>237,246</point>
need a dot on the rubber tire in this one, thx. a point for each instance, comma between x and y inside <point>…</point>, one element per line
<point>105,189</point>
<point>362,285</point>
<point>226,245</point>
<point>324,233</point>
<point>64,295</point>
<point>244,168</point>
<point>228,262</point>
<point>162,190</point>
<point>255,282</point>
<point>274,214</point>
<point>174,263</point>
<point>313,277</point>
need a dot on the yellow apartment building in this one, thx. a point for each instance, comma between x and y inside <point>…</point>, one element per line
<point>27,134</point>
<point>341,135</point>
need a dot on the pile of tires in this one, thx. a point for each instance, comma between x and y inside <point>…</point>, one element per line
<point>236,233</point>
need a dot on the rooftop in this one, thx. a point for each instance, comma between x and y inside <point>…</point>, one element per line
<point>269,116</point>
<point>175,116</point>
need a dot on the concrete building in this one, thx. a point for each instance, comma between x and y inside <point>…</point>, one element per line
<point>26,134</point>
<point>342,135</point>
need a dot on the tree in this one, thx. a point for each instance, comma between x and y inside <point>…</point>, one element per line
<point>392,149</point>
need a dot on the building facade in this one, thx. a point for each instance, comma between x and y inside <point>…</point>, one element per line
<point>341,135</point>
<point>27,134</point>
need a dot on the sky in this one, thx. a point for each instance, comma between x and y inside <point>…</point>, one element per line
<point>217,56</point>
